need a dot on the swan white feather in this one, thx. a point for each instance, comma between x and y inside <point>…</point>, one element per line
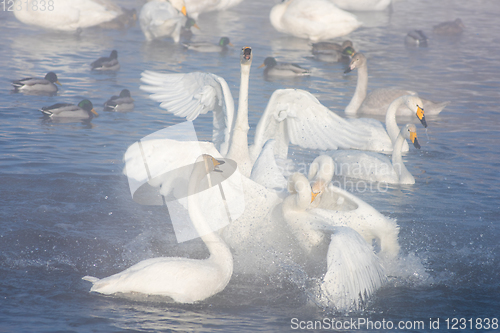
<point>354,272</point>
<point>342,208</point>
<point>379,100</point>
<point>362,5</point>
<point>184,280</point>
<point>376,167</point>
<point>69,15</point>
<point>312,19</point>
<point>159,19</point>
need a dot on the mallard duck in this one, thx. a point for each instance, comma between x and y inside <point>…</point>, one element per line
<point>332,52</point>
<point>274,68</point>
<point>107,63</point>
<point>84,110</point>
<point>45,85</point>
<point>452,28</point>
<point>122,103</point>
<point>209,47</point>
<point>416,38</point>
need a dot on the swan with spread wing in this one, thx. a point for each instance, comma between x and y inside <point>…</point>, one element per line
<point>292,116</point>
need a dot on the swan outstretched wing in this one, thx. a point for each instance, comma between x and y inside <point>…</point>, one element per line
<point>354,272</point>
<point>189,95</point>
<point>295,116</point>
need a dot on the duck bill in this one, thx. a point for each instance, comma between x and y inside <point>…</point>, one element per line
<point>421,116</point>
<point>261,66</point>
<point>59,83</point>
<point>230,44</point>
<point>183,10</point>
<point>413,138</point>
<point>94,112</point>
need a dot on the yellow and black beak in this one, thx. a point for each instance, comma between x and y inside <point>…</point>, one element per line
<point>183,10</point>
<point>314,195</point>
<point>216,164</point>
<point>413,138</point>
<point>421,116</point>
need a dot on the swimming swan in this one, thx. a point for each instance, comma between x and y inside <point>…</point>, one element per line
<point>68,15</point>
<point>312,19</point>
<point>342,208</point>
<point>378,100</point>
<point>376,167</point>
<point>292,116</point>
<point>363,5</point>
<point>184,280</point>
<point>354,272</point>
<point>159,19</point>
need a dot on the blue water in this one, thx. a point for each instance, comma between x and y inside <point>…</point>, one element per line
<point>66,209</point>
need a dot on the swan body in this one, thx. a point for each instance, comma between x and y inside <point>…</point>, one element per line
<point>184,280</point>
<point>69,15</point>
<point>342,208</point>
<point>160,19</point>
<point>84,110</point>
<point>38,85</point>
<point>196,7</point>
<point>452,28</point>
<point>375,167</point>
<point>274,68</point>
<point>312,19</point>
<point>362,5</point>
<point>266,171</point>
<point>354,272</point>
<point>378,100</point>
<point>416,38</point>
<point>332,52</point>
<point>209,47</point>
<point>122,103</point>
<point>106,63</point>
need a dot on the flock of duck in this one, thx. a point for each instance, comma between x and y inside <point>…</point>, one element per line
<point>336,237</point>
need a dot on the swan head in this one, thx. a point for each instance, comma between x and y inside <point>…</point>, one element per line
<point>299,186</point>
<point>211,163</point>
<point>410,132</point>
<point>246,56</point>
<point>415,104</point>
<point>180,5</point>
<point>358,60</point>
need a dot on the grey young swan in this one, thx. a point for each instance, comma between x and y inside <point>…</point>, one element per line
<point>379,100</point>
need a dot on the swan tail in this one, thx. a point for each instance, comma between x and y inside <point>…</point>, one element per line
<point>90,279</point>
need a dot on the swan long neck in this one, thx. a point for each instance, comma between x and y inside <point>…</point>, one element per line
<point>360,92</point>
<point>238,148</point>
<point>397,160</point>
<point>219,251</point>
<point>391,124</point>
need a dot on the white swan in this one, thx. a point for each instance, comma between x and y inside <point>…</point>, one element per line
<point>67,15</point>
<point>291,116</point>
<point>184,280</point>
<point>160,18</point>
<point>354,272</point>
<point>196,7</point>
<point>376,167</point>
<point>363,5</point>
<point>379,99</point>
<point>312,19</point>
<point>334,204</point>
